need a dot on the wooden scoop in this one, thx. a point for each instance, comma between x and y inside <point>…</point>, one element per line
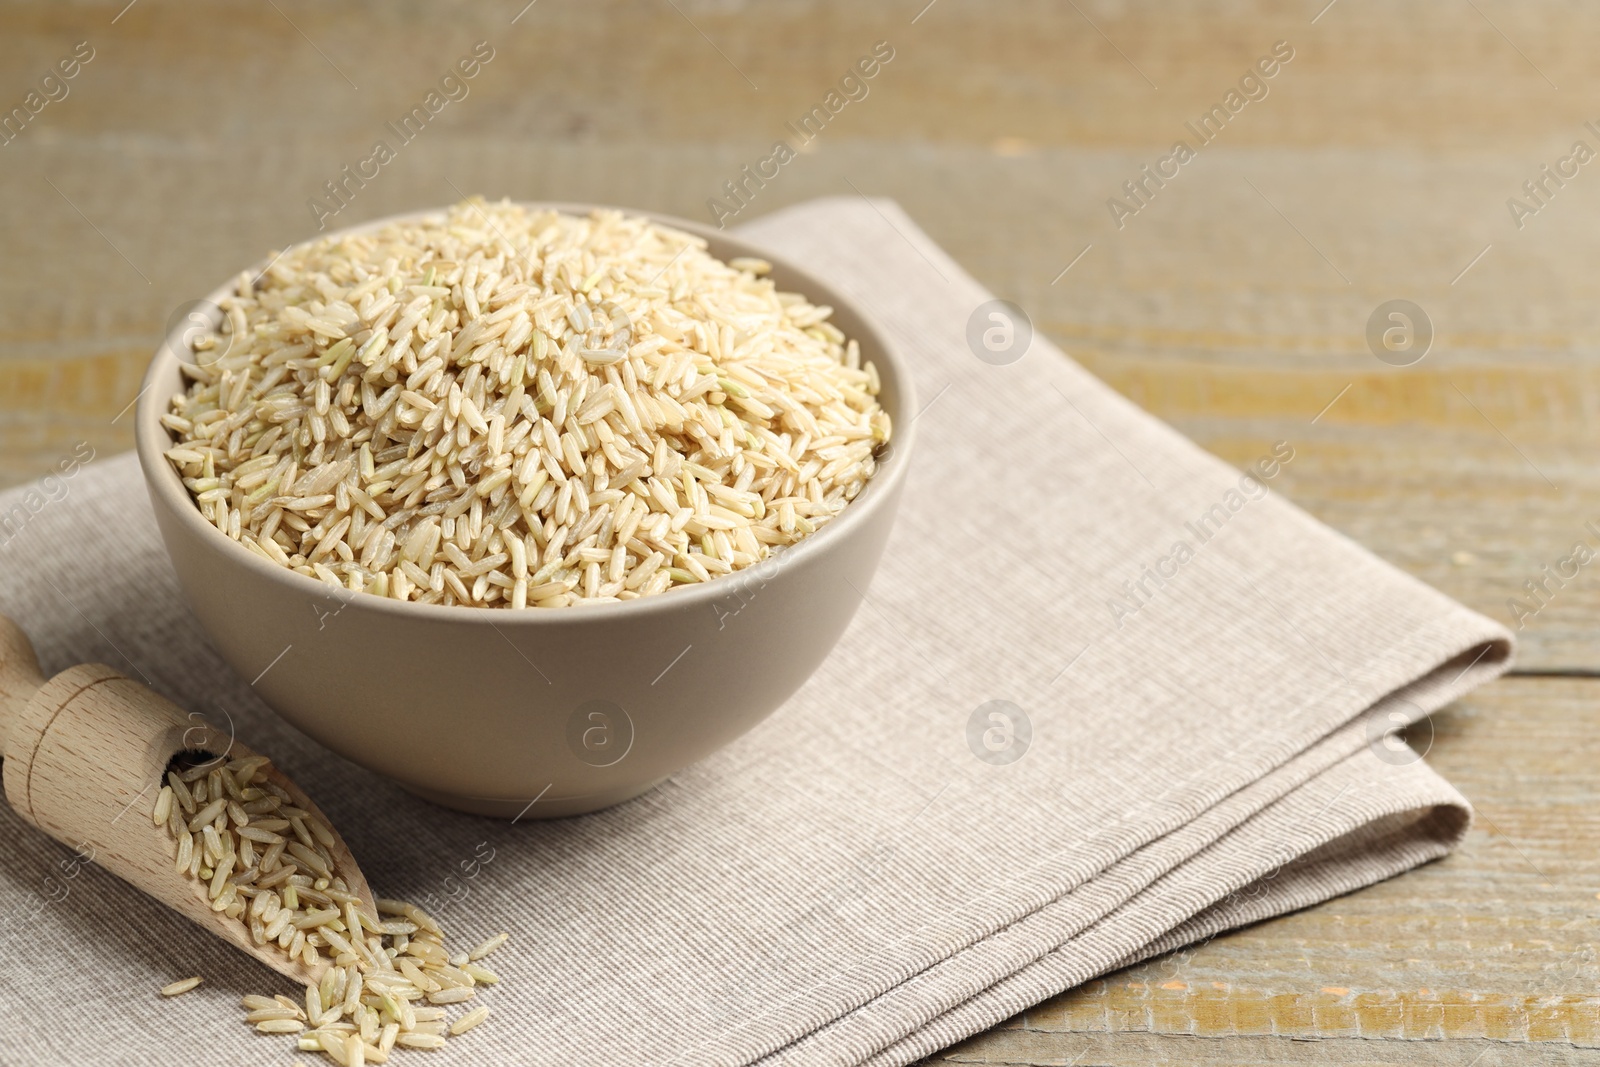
<point>86,754</point>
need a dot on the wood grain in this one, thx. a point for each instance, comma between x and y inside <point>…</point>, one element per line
<point>1492,947</point>
<point>1233,304</point>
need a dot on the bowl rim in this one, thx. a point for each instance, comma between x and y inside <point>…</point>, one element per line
<point>163,481</point>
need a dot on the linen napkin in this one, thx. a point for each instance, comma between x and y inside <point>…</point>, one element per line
<point>1105,697</point>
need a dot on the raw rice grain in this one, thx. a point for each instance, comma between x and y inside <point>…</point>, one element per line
<point>469,1020</point>
<point>600,389</point>
<point>372,970</point>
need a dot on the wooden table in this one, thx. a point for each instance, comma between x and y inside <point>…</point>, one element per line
<point>1234,303</point>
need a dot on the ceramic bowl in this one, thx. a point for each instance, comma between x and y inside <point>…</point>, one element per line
<point>535,713</point>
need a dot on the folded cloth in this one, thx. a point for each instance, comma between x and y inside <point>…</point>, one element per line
<point>1105,697</point>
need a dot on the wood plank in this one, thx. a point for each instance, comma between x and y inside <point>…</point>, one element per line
<point>1022,1047</point>
<point>1492,947</point>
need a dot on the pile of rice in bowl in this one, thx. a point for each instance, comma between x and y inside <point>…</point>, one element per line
<point>503,407</point>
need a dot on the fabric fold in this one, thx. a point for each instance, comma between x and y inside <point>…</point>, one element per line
<point>1213,681</point>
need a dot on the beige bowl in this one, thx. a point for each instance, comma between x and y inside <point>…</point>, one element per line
<point>537,712</point>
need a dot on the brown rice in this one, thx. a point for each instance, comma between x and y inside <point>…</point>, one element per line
<point>261,859</point>
<point>511,408</point>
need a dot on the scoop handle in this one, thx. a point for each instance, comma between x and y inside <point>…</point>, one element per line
<point>20,677</point>
<point>82,749</point>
